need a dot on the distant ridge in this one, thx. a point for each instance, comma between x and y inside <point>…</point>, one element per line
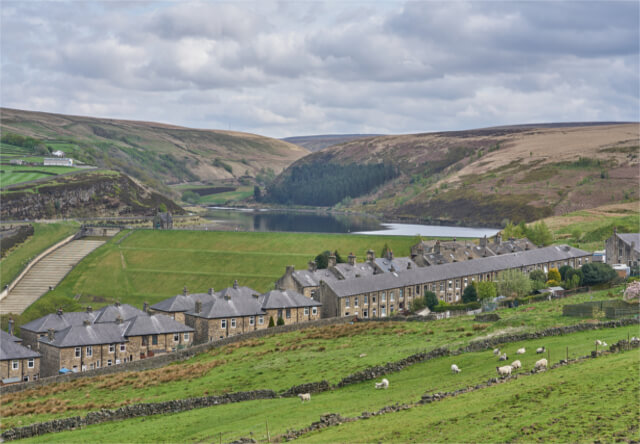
<point>319,142</point>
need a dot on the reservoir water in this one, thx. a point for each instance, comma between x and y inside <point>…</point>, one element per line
<point>305,222</point>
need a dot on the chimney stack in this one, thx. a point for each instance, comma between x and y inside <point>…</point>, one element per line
<point>198,308</point>
<point>290,269</point>
<point>483,241</point>
<point>117,304</point>
<point>352,259</point>
<point>184,290</point>
<point>498,238</point>
<point>436,247</point>
<point>119,320</point>
<point>11,326</point>
<point>51,334</point>
<point>86,322</point>
<point>59,311</point>
<point>311,266</point>
<point>211,291</point>
<point>89,309</point>
<point>390,254</point>
<point>145,307</point>
<point>235,284</point>
<point>408,265</point>
<point>371,255</point>
<point>332,261</point>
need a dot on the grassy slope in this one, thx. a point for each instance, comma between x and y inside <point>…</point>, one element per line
<point>486,176</point>
<point>569,394</point>
<point>43,237</point>
<point>278,362</point>
<point>154,265</point>
<point>136,148</point>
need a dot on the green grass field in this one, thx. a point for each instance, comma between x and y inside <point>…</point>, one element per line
<point>240,193</point>
<point>12,174</point>
<point>564,398</point>
<point>331,353</point>
<point>153,265</point>
<point>44,236</point>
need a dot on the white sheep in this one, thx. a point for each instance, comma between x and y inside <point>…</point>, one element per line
<point>598,342</point>
<point>363,355</point>
<point>455,368</point>
<point>604,344</point>
<point>504,370</point>
<point>304,397</point>
<point>521,351</point>
<point>540,350</point>
<point>384,384</point>
<point>516,365</point>
<point>634,339</point>
<point>541,364</point>
<point>503,357</point>
<point>496,351</point>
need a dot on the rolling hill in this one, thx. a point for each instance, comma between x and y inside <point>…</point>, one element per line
<point>320,142</point>
<point>155,153</point>
<point>480,177</point>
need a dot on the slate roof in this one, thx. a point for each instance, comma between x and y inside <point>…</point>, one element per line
<point>454,270</point>
<point>231,302</point>
<point>628,238</point>
<point>11,349</point>
<point>399,264</point>
<point>156,324</point>
<point>112,312</point>
<point>308,278</point>
<point>347,271</point>
<point>81,335</point>
<point>285,299</point>
<point>182,303</point>
<point>59,322</point>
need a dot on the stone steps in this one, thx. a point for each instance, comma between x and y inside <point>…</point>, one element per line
<point>48,272</point>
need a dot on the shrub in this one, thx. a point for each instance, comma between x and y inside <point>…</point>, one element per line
<point>538,275</point>
<point>418,304</point>
<point>513,282</point>
<point>554,275</point>
<point>443,306</point>
<point>271,323</point>
<point>430,299</point>
<point>280,321</point>
<point>469,294</point>
<point>486,290</point>
<point>597,273</point>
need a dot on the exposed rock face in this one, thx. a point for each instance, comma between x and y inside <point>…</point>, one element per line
<point>82,195</point>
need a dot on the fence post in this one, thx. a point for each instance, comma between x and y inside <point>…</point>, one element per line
<point>567,355</point>
<point>268,436</point>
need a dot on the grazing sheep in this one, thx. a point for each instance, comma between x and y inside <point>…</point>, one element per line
<point>503,357</point>
<point>634,339</point>
<point>455,368</point>
<point>540,350</point>
<point>604,344</point>
<point>598,342</point>
<point>541,364</point>
<point>496,351</point>
<point>363,355</point>
<point>384,384</point>
<point>521,351</point>
<point>304,397</point>
<point>516,365</point>
<point>504,370</point>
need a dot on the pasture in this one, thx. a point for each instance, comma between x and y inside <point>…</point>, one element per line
<point>562,402</point>
<point>281,361</point>
<point>13,174</point>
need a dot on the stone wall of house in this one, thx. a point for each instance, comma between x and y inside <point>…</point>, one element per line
<point>295,315</point>
<point>23,370</point>
<point>30,339</point>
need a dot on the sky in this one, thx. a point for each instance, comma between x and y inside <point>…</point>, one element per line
<point>318,67</point>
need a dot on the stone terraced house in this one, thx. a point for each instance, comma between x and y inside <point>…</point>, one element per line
<point>383,294</point>
<point>623,248</point>
<point>290,306</point>
<point>115,334</point>
<point>17,362</point>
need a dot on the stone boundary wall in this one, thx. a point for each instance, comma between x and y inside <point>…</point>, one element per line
<point>181,405</point>
<point>179,355</point>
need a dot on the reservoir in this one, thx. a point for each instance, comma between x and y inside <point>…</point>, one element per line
<point>307,222</point>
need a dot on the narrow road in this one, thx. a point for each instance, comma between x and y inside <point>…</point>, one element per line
<point>48,272</point>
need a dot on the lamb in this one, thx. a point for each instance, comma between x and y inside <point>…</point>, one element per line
<point>541,364</point>
<point>496,351</point>
<point>503,357</point>
<point>455,368</point>
<point>384,384</point>
<point>516,365</point>
<point>504,370</point>
<point>304,397</point>
<point>540,350</point>
<point>521,351</point>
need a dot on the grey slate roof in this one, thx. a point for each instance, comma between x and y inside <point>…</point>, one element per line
<point>81,335</point>
<point>156,324</point>
<point>347,271</point>
<point>276,299</point>
<point>10,349</point>
<point>58,322</point>
<point>112,312</point>
<point>628,238</point>
<point>182,303</point>
<point>231,302</point>
<point>454,270</point>
<point>308,278</point>
<point>399,264</point>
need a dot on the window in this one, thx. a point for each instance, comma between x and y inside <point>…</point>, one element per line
<point>31,363</point>
<point>176,337</point>
<point>346,302</point>
<point>223,323</point>
<point>26,378</point>
<point>373,299</point>
<point>365,313</point>
<point>252,320</point>
<point>260,320</point>
<point>391,308</point>
<point>355,301</point>
<point>288,313</point>
<point>144,340</point>
<point>89,350</point>
<point>391,296</point>
<point>366,299</point>
<point>109,362</point>
<point>450,284</point>
<point>346,313</point>
<point>90,366</point>
<point>15,364</point>
<point>457,283</point>
<point>112,348</point>
<point>306,311</point>
<point>154,339</point>
<point>383,312</point>
<point>400,293</point>
<point>186,336</point>
<point>374,312</point>
<point>441,286</point>
<point>313,294</point>
<point>233,322</point>
<point>314,311</point>
<point>123,347</point>
<point>383,298</point>
<point>417,289</point>
<point>466,282</point>
<point>97,364</point>
<point>78,352</point>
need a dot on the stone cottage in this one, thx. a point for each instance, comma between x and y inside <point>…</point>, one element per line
<point>17,363</point>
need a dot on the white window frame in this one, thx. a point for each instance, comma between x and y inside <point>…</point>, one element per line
<point>31,363</point>
<point>306,311</point>
<point>233,322</point>
<point>365,313</point>
<point>355,301</point>
<point>260,320</point>
<point>374,313</point>
<point>186,336</point>
<point>383,298</point>
<point>252,320</point>
<point>347,302</point>
<point>15,364</point>
<point>78,352</point>
<point>109,363</point>
<point>112,348</point>
<point>314,310</point>
<point>89,350</point>
<point>392,296</point>
<point>123,347</point>
<point>383,312</point>
<point>223,323</point>
<point>366,299</point>
<point>176,337</point>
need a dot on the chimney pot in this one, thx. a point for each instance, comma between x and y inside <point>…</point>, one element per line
<point>117,304</point>
<point>290,269</point>
<point>86,322</point>
<point>371,255</point>
<point>235,283</point>
<point>311,266</point>
<point>185,291</point>
<point>352,259</point>
<point>51,334</point>
<point>89,309</point>
<point>11,326</point>
<point>332,261</point>
<point>119,320</point>
<point>198,308</point>
<point>145,307</point>
<point>211,291</point>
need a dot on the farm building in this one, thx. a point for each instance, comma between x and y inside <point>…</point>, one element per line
<point>49,161</point>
